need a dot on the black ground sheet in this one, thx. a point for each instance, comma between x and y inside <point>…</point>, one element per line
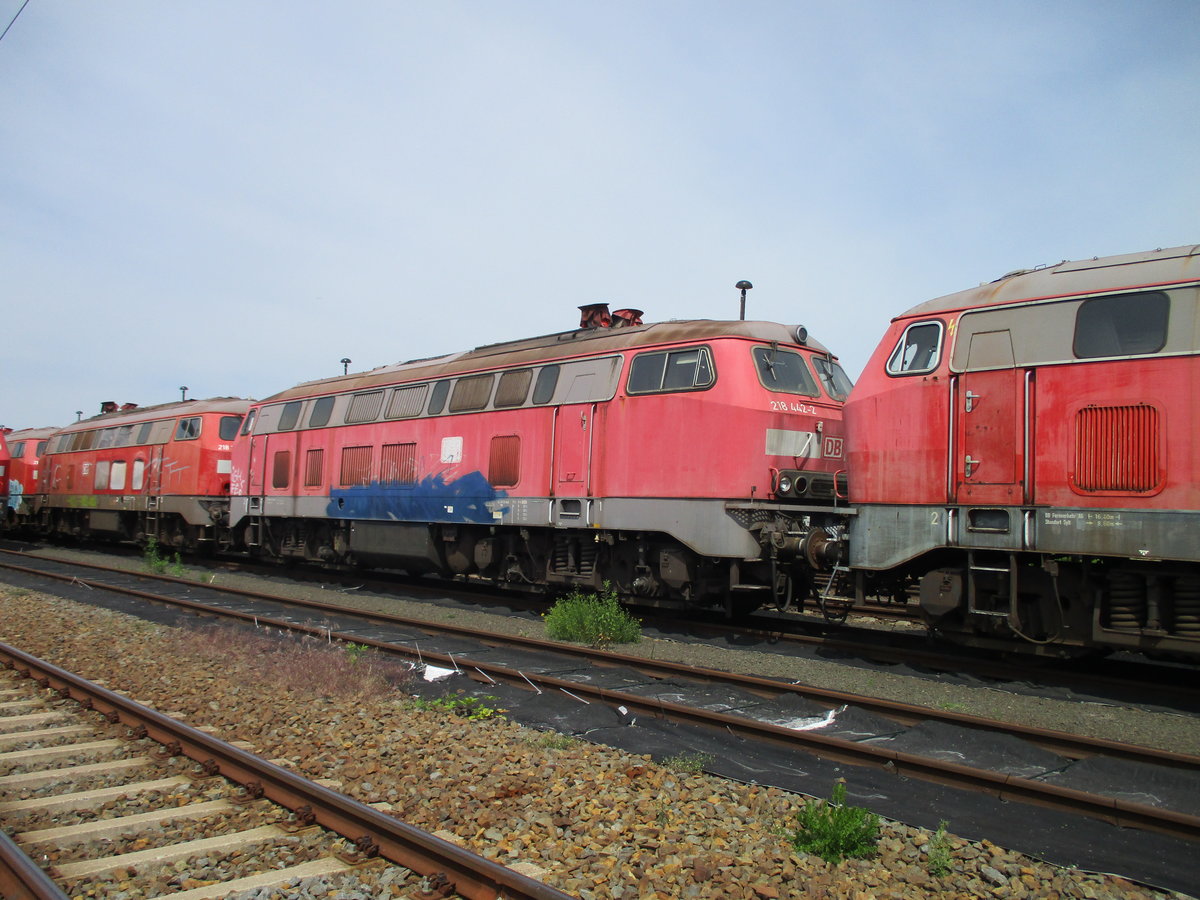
<point>1055,837</point>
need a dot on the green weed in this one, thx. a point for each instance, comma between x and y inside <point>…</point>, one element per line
<point>834,831</point>
<point>938,858</point>
<point>597,620</point>
<point>462,705</point>
<point>687,763</point>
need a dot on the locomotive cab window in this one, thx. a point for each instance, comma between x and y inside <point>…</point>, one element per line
<point>188,429</point>
<point>247,426</point>
<point>229,427</point>
<point>833,377</point>
<point>784,371</point>
<point>918,351</point>
<point>677,370</point>
<point>1124,325</point>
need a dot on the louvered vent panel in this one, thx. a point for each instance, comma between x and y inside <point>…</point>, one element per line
<point>1117,449</point>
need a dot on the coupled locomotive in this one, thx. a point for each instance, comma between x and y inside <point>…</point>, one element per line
<point>695,463</point>
<point>1026,453</point>
<point>1021,455</point>
<point>26,447</point>
<point>135,473</point>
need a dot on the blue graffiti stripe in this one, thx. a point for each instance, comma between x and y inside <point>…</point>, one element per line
<point>463,500</point>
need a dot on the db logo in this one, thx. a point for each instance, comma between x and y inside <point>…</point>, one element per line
<point>832,448</point>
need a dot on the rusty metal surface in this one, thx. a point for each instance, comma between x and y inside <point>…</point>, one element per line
<point>585,342</point>
<point>21,878</point>
<point>472,876</point>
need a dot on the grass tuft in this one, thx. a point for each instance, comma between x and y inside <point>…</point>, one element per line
<point>597,620</point>
<point>834,831</point>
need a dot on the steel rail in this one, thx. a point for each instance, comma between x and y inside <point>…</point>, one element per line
<point>373,832</point>
<point>1114,810</point>
<point>23,879</point>
<point>1061,742</point>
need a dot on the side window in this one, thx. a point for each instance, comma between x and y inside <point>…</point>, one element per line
<point>41,449</point>
<point>513,388</point>
<point>321,410</point>
<point>1124,325</point>
<point>107,436</point>
<point>143,434</point>
<point>290,415</point>
<point>784,371</point>
<point>139,474</point>
<point>406,402</point>
<point>124,436</point>
<point>472,392</point>
<point>437,401</point>
<point>229,427</point>
<point>17,450</point>
<point>918,350</point>
<point>101,482</point>
<point>676,370</point>
<point>364,407</point>
<point>116,478</point>
<point>188,429</point>
<point>547,381</point>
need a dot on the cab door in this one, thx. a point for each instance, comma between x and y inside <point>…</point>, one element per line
<point>989,400</point>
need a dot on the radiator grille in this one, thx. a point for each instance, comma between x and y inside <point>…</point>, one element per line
<point>1117,449</point>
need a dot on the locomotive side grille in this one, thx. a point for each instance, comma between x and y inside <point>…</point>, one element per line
<point>1117,449</point>
<point>504,460</point>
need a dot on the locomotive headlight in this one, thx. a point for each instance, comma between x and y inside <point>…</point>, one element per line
<point>785,484</point>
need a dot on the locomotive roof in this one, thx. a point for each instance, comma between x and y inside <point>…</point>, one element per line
<point>232,405</point>
<point>29,434</point>
<point>1152,268</point>
<point>550,347</point>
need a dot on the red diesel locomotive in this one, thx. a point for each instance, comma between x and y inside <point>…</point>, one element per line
<point>691,462</point>
<point>1027,451</point>
<point>132,474</point>
<point>26,447</point>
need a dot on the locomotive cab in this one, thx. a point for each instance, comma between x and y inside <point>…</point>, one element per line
<point>1048,497</point>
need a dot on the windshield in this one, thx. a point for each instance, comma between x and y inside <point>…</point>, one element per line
<point>833,377</point>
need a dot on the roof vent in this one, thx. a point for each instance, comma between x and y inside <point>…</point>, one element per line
<point>126,407</point>
<point>594,315</point>
<point>108,406</point>
<point>626,318</point>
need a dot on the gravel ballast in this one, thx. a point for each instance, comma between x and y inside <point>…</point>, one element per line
<point>599,823</point>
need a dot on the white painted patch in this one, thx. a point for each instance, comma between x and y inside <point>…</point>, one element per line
<point>224,466</point>
<point>452,449</point>
<point>805,444</point>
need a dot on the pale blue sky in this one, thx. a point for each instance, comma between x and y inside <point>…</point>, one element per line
<point>235,195</point>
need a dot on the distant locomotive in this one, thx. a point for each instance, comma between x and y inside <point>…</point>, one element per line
<point>130,473</point>
<point>1024,454</point>
<point>26,448</point>
<point>1027,451</point>
<point>694,463</point>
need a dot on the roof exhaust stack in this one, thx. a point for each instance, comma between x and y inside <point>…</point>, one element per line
<point>594,315</point>
<point>108,406</point>
<point>626,318</point>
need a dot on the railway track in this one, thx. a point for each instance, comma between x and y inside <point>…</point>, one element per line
<point>759,710</point>
<point>194,817</point>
